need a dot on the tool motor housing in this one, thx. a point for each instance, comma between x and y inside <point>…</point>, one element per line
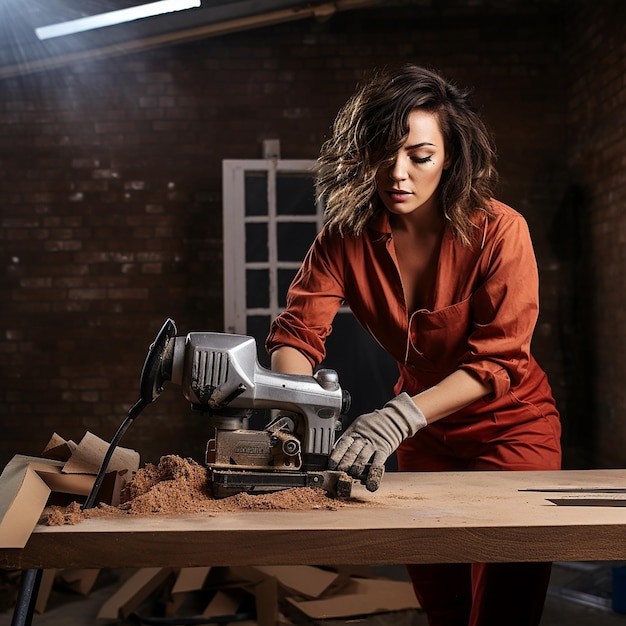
<point>220,373</point>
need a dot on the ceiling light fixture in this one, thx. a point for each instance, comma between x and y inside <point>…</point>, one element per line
<point>112,18</point>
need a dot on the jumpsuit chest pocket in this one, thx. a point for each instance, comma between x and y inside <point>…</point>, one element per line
<point>437,339</point>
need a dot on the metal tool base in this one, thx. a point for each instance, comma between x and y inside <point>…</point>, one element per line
<point>229,482</point>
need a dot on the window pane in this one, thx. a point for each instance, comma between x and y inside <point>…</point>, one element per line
<point>257,289</point>
<point>284,280</point>
<point>256,193</point>
<point>256,243</point>
<point>294,239</point>
<point>295,195</point>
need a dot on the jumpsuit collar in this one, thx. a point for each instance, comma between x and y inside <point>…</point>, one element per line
<point>380,223</point>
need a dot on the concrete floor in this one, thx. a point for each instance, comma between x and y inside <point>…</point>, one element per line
<point>579,595</point>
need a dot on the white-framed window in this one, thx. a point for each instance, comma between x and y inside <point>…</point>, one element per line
<point>270,219</point>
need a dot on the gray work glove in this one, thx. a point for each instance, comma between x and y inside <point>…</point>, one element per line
<point>372,437</point>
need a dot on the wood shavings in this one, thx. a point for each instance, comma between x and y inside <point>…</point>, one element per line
<point>178,485</point>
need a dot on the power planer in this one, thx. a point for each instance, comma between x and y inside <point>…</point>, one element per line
<point>220,375</point>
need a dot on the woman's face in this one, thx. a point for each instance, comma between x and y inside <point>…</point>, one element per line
<point>410,183</point>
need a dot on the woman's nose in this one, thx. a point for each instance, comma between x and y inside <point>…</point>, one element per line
<point>397,171</point>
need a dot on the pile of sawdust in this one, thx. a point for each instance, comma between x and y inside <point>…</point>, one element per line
<point>178,485</point>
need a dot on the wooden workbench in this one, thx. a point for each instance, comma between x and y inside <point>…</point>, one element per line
<point>419,517</point>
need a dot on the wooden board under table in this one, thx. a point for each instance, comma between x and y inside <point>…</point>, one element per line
<point>414,517</point>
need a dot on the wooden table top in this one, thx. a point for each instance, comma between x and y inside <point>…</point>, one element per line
<point>430,517</point>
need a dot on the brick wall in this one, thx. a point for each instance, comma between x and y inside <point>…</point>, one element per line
<point>110,192</point>
<point>597,208</point>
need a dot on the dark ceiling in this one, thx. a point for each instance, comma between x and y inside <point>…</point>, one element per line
<point>21,51</point>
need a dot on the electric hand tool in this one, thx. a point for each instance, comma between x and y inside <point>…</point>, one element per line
<point>219,374</point>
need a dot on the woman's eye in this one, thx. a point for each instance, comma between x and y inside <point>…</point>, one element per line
<point>421,159</point>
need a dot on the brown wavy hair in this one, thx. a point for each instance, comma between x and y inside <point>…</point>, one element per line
<point>372,126</point>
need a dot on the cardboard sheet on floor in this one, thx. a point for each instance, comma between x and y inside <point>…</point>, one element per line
<point>79,580</point>
<point>45,588</point>
<point>265,590</point>
<point>361,597</point>
<point>133,592</point>
<point>228,602</point>
<point>266,601</point>
<point>190,579</point>
<point>305,580</point>
<point>224,602</point>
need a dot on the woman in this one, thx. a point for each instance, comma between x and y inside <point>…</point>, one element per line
<point>444,277</point>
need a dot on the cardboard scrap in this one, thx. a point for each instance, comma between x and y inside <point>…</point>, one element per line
<point>58,448</point>
<point>309,592</point>
<point>79,580</point>
<point>230,592</point>
<point>190,579</point>
<point>88,456</point>
<point>133,592</point>
<point>28,483</point>
<point>224,602</point>
<point>266,601</point>
<point>52,474</point>
<point>361,597</point>
<point>305,580</point>
<point>45,588</point>
<point>23,496</point>
<point>265,589</point>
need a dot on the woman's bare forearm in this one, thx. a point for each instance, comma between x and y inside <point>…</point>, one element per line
<point>288,360</point>
<point>452,394</point>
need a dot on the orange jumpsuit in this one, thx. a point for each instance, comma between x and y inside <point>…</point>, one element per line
<point>483,314</point>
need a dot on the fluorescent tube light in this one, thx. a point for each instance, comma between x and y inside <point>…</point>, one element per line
<point>112,18</point>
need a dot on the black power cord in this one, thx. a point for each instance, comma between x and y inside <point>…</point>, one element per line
<point>135,410</point>
<point>27,595</point>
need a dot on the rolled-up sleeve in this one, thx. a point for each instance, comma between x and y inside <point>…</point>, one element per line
<point>505,308</point>
<point>313,300</point>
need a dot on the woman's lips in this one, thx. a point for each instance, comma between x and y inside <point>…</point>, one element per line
<point>397,195</point>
